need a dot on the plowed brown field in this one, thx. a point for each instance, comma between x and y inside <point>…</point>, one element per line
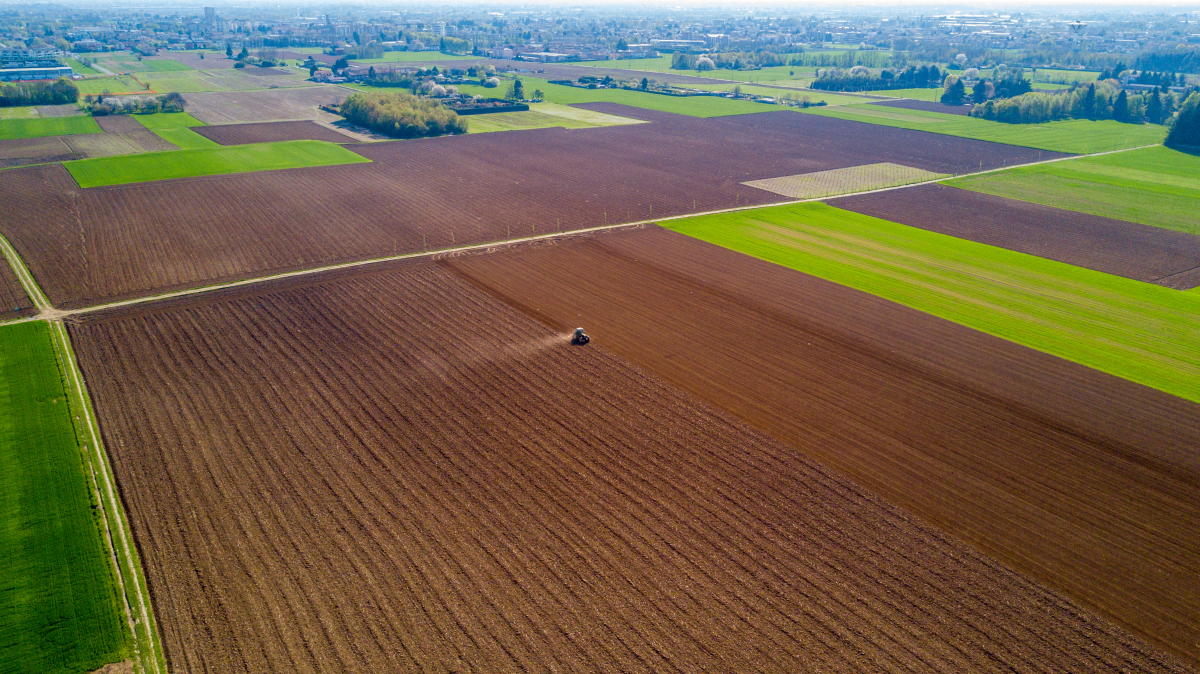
<point>927,106</point>
<point>394,472</point>
<point>107,243</point>
<point>1112,246</point>
<point>269,132</point>
<point>1084,481</point>
<point>14,303</point>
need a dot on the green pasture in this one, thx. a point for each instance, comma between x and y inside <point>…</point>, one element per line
<point>1056,76</point>
<point>416,57</point>
<point>121,84</point>
<point>798,94</point>
<point>80,68</point>
<point>1075,136</point>
<point>915,94</point>
<point>184,138</point>
<point>19,112</point>
<point>1154,186</point>
<point>541,116</point>
<point>152,166</point>
<point>154,66</point>
<point>47,126</point>
<point>1139,331</point>
<point>58,596</point>
<point>168,120</point>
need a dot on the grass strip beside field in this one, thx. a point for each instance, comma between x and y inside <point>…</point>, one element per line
<point>62,611</point>
<point>37,127</point>
<point>1154,186</point>
<point>1138,331</point>
<point>168,120</point>
<point>693,106</point>
<point>1075,136</point>
<point>168,165</point>
<point>544,115</point>
<point>184,138</point>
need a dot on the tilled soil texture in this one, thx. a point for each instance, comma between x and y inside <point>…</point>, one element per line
<point>25,151</point>
<point>269,132</point>
<point>240,107</point>
<point>1084,481</point>
<point>927,106</point>
<point>105,243</point>
<point>128,128</point>
<point>395,472</point>
<point>14,303</point>
<point>1117,247</point>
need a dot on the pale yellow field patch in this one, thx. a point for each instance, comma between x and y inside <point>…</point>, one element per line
<point>844,180</point>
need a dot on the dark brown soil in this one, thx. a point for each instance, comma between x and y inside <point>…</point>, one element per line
<point>1112,246</point>
<point>14,303</point>
<point>1087,482</point>
<point>395,472</point>
<point>928,106</point>
<point>119,124</point>
<point>25,151</point>
<point>237,107</point>
<point>105,243</point>
<point>268,132</point>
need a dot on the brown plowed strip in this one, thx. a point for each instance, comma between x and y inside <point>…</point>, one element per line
<point>119,124</point>
<point>109,243</point>
<point>14,303</point>
<point>1126,249</point>
<point>22,151</point>
<point>1085,481</point>
<point>268,132</point>
<point>927,106</point>
<point>395,472</point>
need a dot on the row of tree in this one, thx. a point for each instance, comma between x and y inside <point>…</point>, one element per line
<point>101,106</point>
<point>1099,100</point>
<point>401,115</point>
<point>859,78</point>
<point>58,92</point>
<point>1186,60</point>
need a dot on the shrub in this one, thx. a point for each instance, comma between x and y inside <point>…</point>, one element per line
<point>401,115</point>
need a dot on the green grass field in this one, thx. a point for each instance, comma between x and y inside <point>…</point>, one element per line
<point>1075,136</point>
<point>80,68</point>
<point>1153,186</point>
<point>1061,76</point>
<point>168,120</point>
<point>58,597</point>
<point>46,126</point>
<point>1139,331</point>
<point>113,85</point>
<point>19,112</point>
<point>798,94</point>
<point>915,94</point>
<point>184,138</point>
<point>212,161</point>
<point>541,116</point>
<point>155,66</point>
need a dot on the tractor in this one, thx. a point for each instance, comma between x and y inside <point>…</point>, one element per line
<point>580,337</point>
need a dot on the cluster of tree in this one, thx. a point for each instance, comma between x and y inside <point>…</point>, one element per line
<point>1113,72</point>
<point>728,60</point>
<point>1185,60</point>
<point>1098,100</point>
<point>58,92</point>
<point>1185,127</point>
<point>1159,79</point>
<point>455,45</point>
<point>102,105</point>
<point>371,50</point>
<point>516,91</point>
<point>859,78</point>
<point>401,115</point>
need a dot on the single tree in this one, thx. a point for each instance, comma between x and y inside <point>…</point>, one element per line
<point>645,84</point>
<point>622,45</point>
<point>228,51</point>
<point>1154,108</point>
<point>1185,128</point>
<point>979,92</point>
<point>538,95</point>
<point>955,92</point>
<point>340,64</point>
<point>1121,107</point>
<point>312,70</point>
<point>518,90</point>
<point>1089,102</point>
<point>245,53</point>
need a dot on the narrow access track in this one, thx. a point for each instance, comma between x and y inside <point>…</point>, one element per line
<point>47,312</point>
<point>148,654</point>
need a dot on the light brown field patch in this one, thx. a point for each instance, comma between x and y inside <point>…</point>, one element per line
<point>844,180</point>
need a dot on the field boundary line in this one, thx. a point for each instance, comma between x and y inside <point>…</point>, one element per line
<point>128,569</point>
<point>24,276</point>
<point>58,314</point>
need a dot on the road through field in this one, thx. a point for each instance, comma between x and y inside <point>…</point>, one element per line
<point>1085,481</point>
<point>389,470</point>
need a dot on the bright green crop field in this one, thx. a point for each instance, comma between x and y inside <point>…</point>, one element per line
<point>168,120</point>
<point>1153,186</point>
<point>47,126</point>
<point>151,166</point>
<point>1075,136</point>
<point>58,600</point>
<point>154,66</point>
<point>1139,331</point>
<point>184,138</point>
